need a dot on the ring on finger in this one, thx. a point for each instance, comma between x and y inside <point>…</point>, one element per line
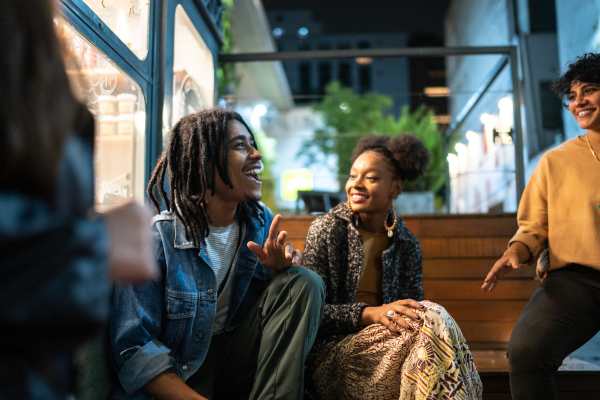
<point>390,314</point>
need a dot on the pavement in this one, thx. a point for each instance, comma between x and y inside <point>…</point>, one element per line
<point>586,358</point>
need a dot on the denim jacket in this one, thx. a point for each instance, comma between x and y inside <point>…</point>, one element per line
<point>166,325</point>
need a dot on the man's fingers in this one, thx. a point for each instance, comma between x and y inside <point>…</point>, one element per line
<point>256,249</point>
<point>289,253</point>
<point>282,238</point>
<point>274,228</point>
<point>297,257</point>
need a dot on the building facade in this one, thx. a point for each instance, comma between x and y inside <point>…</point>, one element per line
<point>298,30</point>
<point>482,163</point>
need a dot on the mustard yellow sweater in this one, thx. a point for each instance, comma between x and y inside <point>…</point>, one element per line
<point>560,207</point>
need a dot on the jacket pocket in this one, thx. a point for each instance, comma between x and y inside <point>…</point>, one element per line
<point>181,304</point>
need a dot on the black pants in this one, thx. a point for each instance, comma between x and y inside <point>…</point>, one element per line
<point>561,315</point>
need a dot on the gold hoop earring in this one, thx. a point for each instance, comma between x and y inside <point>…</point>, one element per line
<point>390,228</point>
<point>349,205</point>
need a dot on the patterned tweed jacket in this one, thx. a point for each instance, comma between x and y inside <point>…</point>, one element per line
<point>334,250</point>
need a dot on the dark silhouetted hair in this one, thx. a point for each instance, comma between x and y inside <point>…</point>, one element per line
<point>39,110</point>
<point>586,68</point>
<point>196,151</point>
<point>406,154</point>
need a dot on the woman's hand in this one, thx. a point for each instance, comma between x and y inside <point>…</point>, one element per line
<point>276,254</point>
<point>513,258</point>
<point>394,316</point>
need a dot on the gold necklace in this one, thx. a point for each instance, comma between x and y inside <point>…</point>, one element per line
<point>587,140</point>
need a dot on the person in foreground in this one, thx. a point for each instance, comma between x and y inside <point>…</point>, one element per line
<point>57,256</point>
<point>229,317</point>
<point>377,340</point>
<point>559,216</point>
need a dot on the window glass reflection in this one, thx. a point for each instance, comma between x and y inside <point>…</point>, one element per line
<point>128,19</point>
<point>193,69</point>
<point>118,105</point>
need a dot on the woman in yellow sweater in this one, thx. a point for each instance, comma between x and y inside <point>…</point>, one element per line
<point>560,211</point>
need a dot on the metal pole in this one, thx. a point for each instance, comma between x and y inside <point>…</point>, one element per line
<point>518,125</point>
<point>375,53</point>
<point>477,96</point>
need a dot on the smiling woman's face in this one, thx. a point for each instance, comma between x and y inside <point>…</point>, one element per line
<point>371,185</point>
<point>244,165</point>
<point>584,104</point>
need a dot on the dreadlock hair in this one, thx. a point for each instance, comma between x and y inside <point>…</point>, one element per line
<point>586,68</point>
<point>406,154</point>
<point>196,151</point>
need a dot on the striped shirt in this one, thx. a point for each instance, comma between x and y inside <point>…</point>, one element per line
<point>221,246</point>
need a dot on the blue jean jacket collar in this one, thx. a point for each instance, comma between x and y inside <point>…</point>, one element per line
<point>256,216</point>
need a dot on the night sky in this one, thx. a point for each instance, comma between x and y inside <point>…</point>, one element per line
<point>421,17</point>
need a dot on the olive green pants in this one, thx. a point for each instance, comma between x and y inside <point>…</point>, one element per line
<point>263,358</point>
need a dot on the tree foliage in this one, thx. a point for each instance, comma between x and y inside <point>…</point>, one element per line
<point>348,116</point>
<point>227,80</point>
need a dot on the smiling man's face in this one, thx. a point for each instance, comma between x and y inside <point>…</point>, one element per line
<point>244,165</point>
<point>584,104</point>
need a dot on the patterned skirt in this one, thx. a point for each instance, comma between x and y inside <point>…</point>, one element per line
<point>432,361</point>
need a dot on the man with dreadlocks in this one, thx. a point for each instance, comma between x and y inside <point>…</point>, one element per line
<point>229,316</point>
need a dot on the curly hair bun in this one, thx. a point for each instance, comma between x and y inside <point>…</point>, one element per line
<point>406,152</point>
<point>410,154</point>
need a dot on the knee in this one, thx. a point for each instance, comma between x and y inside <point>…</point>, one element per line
<point>526,352</point>
<point>308,284</point>
<point>437,310</point>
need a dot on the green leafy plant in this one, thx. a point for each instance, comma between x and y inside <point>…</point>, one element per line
<point>227,79</point>
<point>348,116</point>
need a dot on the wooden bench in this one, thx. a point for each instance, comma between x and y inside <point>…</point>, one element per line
<point>458,251</point>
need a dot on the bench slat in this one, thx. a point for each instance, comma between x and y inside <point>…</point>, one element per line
<point>488,331</point>
<point>432,226</point>
<point>460,268</point>
<point>498,311</point>
<point>471,226</point>
<point>463,247</point>
<point>438,291</point>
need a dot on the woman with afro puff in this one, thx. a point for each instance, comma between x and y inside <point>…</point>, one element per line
<point>378,339</point>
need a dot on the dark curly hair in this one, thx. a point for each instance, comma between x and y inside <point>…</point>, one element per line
<point>407,155</point>
<point>586,68</point>
<point>196,152</point>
